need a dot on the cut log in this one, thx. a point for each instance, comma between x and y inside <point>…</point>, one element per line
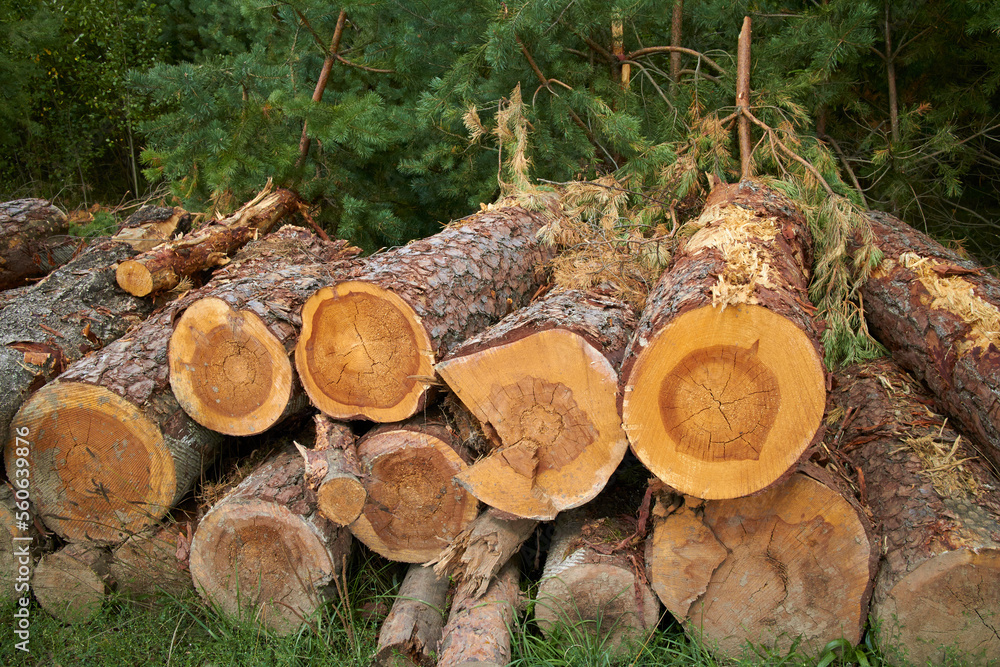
<point>413,508</point>
<point>20,545</point>
<point>796,560</point>
<point>478,553</point>
<point>724,385</point>
<point>939,315</point>
<point>78,308</point>
<point>154,564</point>
<point>410,633</point>
<point>595,585</point>
<point>71,584</point>
<point>33,241</point>
<point>113,449</point>
<point>544,381</point>
<point>368,346</point>
<point>937,507</point>
<point>478,628</point>
<point>263,552</point>
<point>152,225</point>
<point>163,267</point>
<point>229,353</point>
<point>334,472</point>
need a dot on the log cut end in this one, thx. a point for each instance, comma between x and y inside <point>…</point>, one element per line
<point>723,401</point>
<point>136,279</point>
<point>793,561</point>
<point>341,499</point>
<point>413,509</point>
<point>363,353</point>
<point>551,399</point>
<point>101,469</point>
<point>70,583</point>
<point>949,604</point>
<point>260,561</point>
<point>228,372</point>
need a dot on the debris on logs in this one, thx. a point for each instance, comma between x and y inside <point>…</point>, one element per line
<point>796,560</point>
<point>544,381</point>
<point>335,473</point>
<point>78,308</point>
<point>478,627</point>
<point>413,507</point>
<point>33,240</point>
<point>263,552</point>
<point>113,449</point>
<point>410,633</point>
<point>368,345</point>
<point>724,385</point>
<point>71,584</point>
<point>939,315</point>
<point>163,267</point>
<point>937,507</point>
<point>594,582</point>
<point>478,553</point>
<point>229,353</point>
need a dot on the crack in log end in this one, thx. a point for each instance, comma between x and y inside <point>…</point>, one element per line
<point>361,352</point>
<point>101,470</point>
<point>719,403</point>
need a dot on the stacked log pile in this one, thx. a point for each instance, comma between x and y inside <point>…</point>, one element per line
<point>758,525</point>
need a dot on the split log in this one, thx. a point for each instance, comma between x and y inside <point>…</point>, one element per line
<point>263,552</point>
<point>33,241</point>
<point>113,449</point>
<point>724,386</point>
<point>71,584</point>
<point>410,633</point>
<point>335,473</point>
<point>368,346</point>
<point>78,308</point>
<point>937,507</point>
<point>595,584</point>
<point>478,553</point>
<point>939,315</point>
<point>229,353</point>
<point>413,508</point>
<point>796,560</point>
<point>544,381</point>
<point>163,267</point>
<point>152,225</point>
<point>478,628</point>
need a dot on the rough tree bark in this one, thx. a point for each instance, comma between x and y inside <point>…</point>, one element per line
<point>940,317</point>
<point>32,241</point>
<point>544,381</point>
<point>229,354</point>
<point>937,506</point>
<point>795,560</point>
<point>263,552</point>
<point>478,627</point>
<point>114,450</point>
<point>413,508</point>
<point>368,346</point>
<point>78,308</point>
<point>410,633</point>
<point>724,384</point>
<point>595,584</point>
<point>163,267</point>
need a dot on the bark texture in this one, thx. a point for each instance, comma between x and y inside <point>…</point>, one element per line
<point>210,246</point>
<point>368,346</point>
<point>413,508</point>
<point>478,628</point>
<point>141,452</point>
<point>593,585</point>
<point>229,354</point>
<point>724,385</point>
<point>33,240</point>
<point>940,317</point>
<point>796,560</point>
<point>263,552</point>
<point>936,505</point>
<point>544,381</point>
<point>412,630</point>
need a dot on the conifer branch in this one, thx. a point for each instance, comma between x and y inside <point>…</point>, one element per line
<point>675,49</point>
<point>773,138</point>
<point>847,165</point>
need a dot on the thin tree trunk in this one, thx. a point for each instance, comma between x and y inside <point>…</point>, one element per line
<point>324,76</point>
<point>743,99</point>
